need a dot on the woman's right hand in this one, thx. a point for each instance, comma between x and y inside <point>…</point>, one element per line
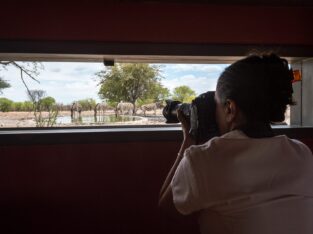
<point>185,123</point>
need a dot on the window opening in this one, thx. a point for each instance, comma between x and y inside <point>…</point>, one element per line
<point>74,94</point>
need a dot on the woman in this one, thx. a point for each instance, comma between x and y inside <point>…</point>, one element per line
<point>247,180</point>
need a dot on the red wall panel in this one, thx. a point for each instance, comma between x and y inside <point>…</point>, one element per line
<point>87,188</point>
<point>157,23</point>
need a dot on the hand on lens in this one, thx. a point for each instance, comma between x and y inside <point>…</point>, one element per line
<point>185,123</point>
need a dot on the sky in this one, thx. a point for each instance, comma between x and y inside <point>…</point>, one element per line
<point>71,81</point>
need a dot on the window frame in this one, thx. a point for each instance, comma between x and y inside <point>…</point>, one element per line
<point>121,52</point>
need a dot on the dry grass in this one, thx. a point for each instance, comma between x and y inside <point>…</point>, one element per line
<point>22,119</point>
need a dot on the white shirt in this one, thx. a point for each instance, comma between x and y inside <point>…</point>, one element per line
<point>246,185</point>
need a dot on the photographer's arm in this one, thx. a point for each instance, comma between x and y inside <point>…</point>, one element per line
<point>166,195</point>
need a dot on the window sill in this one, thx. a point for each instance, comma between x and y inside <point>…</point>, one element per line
<point>116,134</point>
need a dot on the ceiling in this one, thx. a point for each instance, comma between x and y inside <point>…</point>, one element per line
<point>228,2</point>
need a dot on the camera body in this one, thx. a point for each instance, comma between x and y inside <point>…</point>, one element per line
<point>201,113</point>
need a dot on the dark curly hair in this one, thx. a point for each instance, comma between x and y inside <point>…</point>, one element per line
<point>261,86</point>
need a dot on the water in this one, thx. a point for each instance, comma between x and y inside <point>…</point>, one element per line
<point>106,119</point>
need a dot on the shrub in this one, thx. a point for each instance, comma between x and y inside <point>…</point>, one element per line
<point>6,105</point>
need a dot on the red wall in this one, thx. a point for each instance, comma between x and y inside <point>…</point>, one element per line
<point>156,23</point>
<point>113,188</point>
<point>85,188</point>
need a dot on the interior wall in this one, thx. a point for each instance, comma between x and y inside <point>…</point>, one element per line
<point>113,187</point>
<point>83,188</point>
<point>87,188</point>
<point>156,23</point>
<point>307,94</point>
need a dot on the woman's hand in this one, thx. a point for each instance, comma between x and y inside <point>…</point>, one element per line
<point>166,194</point>
<point>185,123</point>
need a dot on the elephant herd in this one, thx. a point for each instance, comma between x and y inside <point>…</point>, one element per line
<point>122,108</point>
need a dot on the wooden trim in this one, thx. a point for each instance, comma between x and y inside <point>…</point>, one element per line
<point>113,135</point>
<point>148,49</point>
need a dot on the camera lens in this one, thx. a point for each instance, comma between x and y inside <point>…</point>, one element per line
<point>170,111</point>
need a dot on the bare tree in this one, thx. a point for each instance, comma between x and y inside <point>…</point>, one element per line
<point>29,69</point>
<point>37,97</point>
<point>32,70</point>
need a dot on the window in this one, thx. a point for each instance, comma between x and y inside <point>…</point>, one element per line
<point>74,92</point>
<point>67,94</point>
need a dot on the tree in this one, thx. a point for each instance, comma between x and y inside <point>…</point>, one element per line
<point>18,106</point>
<point>159,93</point>
<point>184,94</point>
<point>47,103</point>
<point>27,106</point>
<point>37,97</point>
<point>6,104</point>
<point>87,104</point>
<point>30,69</point>
<point>3,84</point>
<point>129,82</point>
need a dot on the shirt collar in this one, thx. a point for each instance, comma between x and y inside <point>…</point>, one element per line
<point>237,134</point>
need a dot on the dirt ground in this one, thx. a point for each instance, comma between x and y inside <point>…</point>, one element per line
<point>26,119</point>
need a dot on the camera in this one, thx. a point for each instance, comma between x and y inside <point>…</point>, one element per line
<point>200,113</point>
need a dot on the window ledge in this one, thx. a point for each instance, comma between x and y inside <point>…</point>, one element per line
<point>30,136</point>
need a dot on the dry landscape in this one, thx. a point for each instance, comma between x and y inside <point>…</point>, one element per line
<point>26,119</point>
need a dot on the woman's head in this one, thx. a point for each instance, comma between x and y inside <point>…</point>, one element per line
<point>259,87</point>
